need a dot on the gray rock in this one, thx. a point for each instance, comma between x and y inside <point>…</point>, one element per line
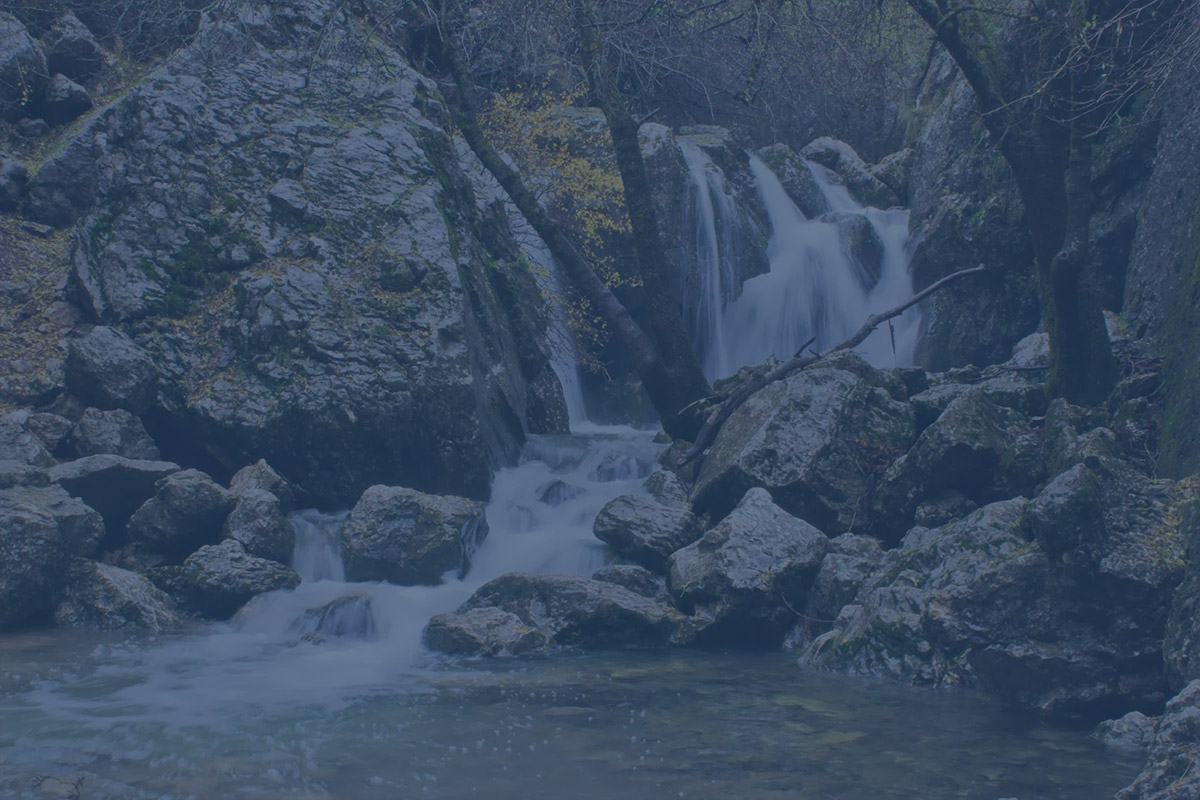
<point>23,73</point>
<point>1181,647</point>
<point>64,101</point>
<point>1032,351</point>
<point>858,238</point>
<point>16,473</point>
<point>51,430</point>
<point>1074,435</point>
<point>113,485</point>
<point>260,475</point>
<point>107,370</point>
<point>666,487</point>
<point>851,170</point>
<point>486,631</point>
<point>634,578</point>
<point>258,522</point>
<point>645,531</point>
<point>741,577</point>
<point>816,440</point>
<point>18,444</point>
<point>946,507</point>
<point>1172,771</point>
<point>117,432</point>
<point>894,170</point>
<point>1006,389</point>
<point>557,492</point>
<point>219,579</point>
<point>289,200</point>
<point>579,612</point>
<point>406,537</point>
<point>41,529</point>
<point>187,510</point>
<point>351,616</point>
<point>1132,732</point>
<point>13,177</point>
<point>103,597</point>
<point>850,560</point>
<point>796,179</point>
<point>72,49</point>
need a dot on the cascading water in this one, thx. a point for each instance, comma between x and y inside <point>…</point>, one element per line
<point>827,275</point>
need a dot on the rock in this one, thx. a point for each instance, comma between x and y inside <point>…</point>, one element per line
<point>796,178</point>
<point>739,579</point>
<point>1132,732</point>
<point>840,158</point>
<point>573,611</point>
<point>1032,351</point>
<point>1181,648</point>
<point>107,370</point>
<point>1006,390</point>
<point>858,238</point>
<point>817,441</point>
<point>260,475</point>
<point>257,521</point>
<point>486,631</point>
<point>18,444</point>
<point>848,563</point>
<point>289,200</point>
<point>65,101</point>
<point>52,431</point>
<point>946,507</point>
<point>117,432</point>
<point>638,580</point>
<point>13,177</point>
<point>975,447</point>
<point>351,616</point>
<point>107,598</point>
<point>976,603</point>
<point>187,511</point>
<point>219,579</point>
<point>409,538</point>
<point>666,487</point>
<point>41,529</point>
<point>72,49</point>
<point>557,492</point>
<point>15,473</point>
<point>644,530</point>
<point>113,485</point>
<point>23,73</point>
<point>1074,434</point>
<point>1172,771</point>
<point>893,171</point>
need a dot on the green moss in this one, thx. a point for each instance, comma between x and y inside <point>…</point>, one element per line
<point>1180,441</point>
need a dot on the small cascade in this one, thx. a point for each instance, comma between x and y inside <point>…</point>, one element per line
<point>316,556</point>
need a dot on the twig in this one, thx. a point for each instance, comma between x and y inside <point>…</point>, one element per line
<point>751,385</point>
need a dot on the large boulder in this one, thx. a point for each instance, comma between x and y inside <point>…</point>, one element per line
<point>258,522</point>
<point>18,443</point>
<point>219,579</point>
<point>840,159</point>
<point>64,101</point>
<point>106,369</point>
<point>261,476</point>
<point>116,432</point>
<point>1172,771</point>
<point>407,537</point>
<point>394,315</point>
<point>645,531</point>
<point>103,597</point>
<point>816,440</point>
<point>72,49</point>
<point>23,72</point>
<point>187,510</point>
<point>850,561</point>
<point>746,579</point>
<point>796,178</point>
<point>113,485</point>
<point>41,529</point>
<point>485,631</point>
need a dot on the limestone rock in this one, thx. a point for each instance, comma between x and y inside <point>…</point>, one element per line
<point>116,432</point>
<point>485,631</point>
<point>106,369</point>
<point>644,530</point>
<point>219,579</point>
<point>103,597</point>
<point>15,473</point>
<point>187,511</point>
<point>257,521</point>
<point>740,577</point>
<point>406,537</point>
<point>41,529</point>
<point>851,559</point>
<point>1172,771</point>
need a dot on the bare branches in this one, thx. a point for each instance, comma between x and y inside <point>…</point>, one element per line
<point>799,361</point>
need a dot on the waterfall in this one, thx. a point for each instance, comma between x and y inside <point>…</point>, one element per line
<point>826,276</point>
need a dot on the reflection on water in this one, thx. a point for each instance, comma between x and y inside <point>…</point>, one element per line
<point>633,725</point>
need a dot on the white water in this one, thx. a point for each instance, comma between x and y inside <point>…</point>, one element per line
<point>814,289</point>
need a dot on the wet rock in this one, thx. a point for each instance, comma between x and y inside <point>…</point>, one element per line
<point>18,444</point>
<point>893,171</point>
<point>840,158</point>
<point>817,441</point>
<point>13,177</point>
<point>23,72</point>
<point>557,492</point>
<point>485,631</point>
<point>64,101</point>
<point>187,511</point>
<point>117,432</point>
<point>796,179</point>
<point>858,237</point>
<point>1172,771</point>
<point>1007,390</point>
<point>258,522</point>
<point>975,447</point>
<point>409,538</point>
<point>351,616</point>
<point>72,49</point>
<point>573,611</point>
<point>113,485</point>
<point>666,487</point>
<point>1132,732</point>
<point>261,476</point>
<point>219,579</point>
<point>41,529</point>
<point>107,370</point>
<point>638,580</point>
<point>850,560</point>
<point>645,531</point>
<point>107,598</point>
<point>618,466</point>
<point>739,579</point>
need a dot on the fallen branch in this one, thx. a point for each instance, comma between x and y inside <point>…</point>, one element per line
<point>751,385</point>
